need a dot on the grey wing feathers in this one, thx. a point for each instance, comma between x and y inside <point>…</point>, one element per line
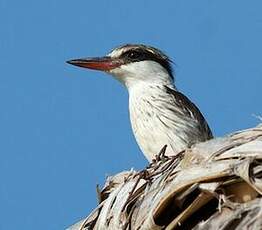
<point>192,111</point>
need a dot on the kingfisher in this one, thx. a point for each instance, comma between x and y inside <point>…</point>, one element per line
<point>160,115</point>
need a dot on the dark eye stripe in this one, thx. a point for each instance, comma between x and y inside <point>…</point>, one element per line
<point>137,55</point>
<point>134,55</point>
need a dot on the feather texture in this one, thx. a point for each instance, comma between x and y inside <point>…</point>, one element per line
<point>160,115</point>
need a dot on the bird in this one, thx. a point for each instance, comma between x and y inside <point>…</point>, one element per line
<point>160,114</point>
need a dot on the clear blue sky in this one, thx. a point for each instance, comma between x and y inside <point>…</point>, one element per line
<point>63,128</point>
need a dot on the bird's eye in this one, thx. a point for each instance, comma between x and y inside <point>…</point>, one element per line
<point>133,54</point>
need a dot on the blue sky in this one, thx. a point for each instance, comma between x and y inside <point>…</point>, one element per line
<point>63,129</point>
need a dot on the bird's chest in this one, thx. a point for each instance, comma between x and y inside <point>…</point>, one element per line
<point>149,130</point>
<point>143,119</point>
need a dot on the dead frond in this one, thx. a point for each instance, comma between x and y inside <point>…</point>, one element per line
<point>212,185</point>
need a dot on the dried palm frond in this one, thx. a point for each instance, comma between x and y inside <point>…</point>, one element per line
<point>212,185</point>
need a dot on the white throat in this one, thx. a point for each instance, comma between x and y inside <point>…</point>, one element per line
<point>141,73</point>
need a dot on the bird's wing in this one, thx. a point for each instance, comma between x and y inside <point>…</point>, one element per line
<point>191,111</point>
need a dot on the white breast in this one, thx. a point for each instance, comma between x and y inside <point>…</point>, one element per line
<point>151,122</point>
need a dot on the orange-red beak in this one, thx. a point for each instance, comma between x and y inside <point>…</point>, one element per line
<point>101,63</point>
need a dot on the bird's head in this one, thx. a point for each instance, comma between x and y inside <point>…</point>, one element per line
<point>131,64</point>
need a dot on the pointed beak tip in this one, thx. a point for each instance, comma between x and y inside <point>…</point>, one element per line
<point>70,62</point>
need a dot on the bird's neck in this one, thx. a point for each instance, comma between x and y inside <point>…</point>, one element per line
<point>144,98</point>
<point>142,74</point>
<point>153,90</point>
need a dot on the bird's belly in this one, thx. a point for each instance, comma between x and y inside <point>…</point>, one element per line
<point>151,135</point>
